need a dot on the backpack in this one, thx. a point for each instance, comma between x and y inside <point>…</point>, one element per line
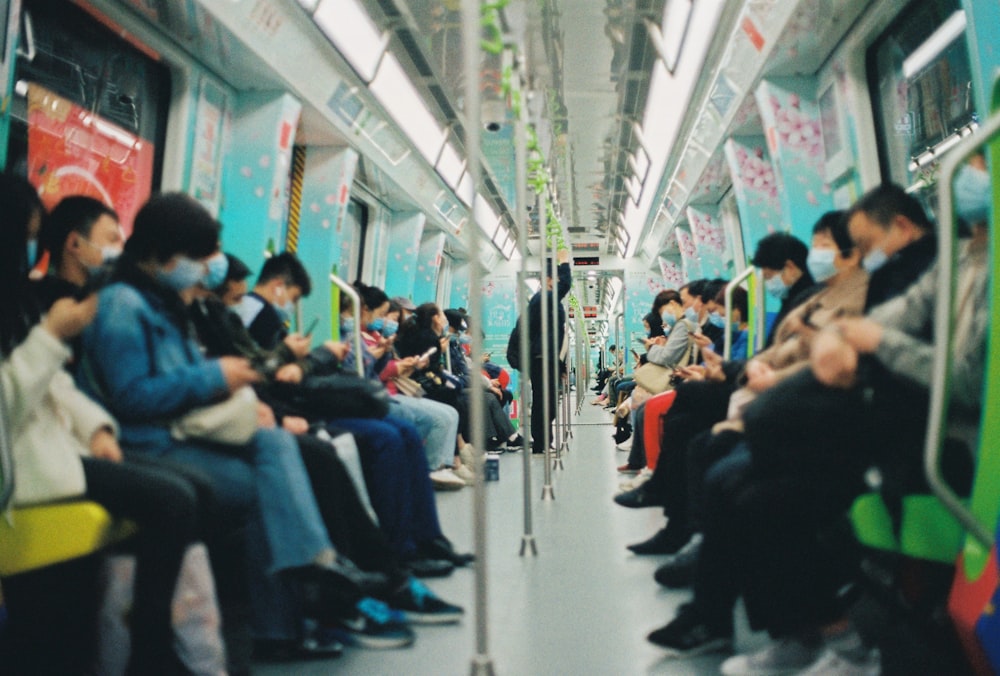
<point>514,347</point>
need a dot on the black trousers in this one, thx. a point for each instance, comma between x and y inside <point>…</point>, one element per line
<point>539,423</point>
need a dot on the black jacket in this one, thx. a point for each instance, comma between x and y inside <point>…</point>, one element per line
<point>557,318</point>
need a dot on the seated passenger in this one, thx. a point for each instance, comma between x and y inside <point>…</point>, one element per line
<point>140,362</point>
<point>65,445</point>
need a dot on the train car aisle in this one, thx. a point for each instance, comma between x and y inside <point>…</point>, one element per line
<point>583,606</point>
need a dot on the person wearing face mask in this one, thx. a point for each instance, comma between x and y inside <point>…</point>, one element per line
<point>80,236</point>
<point>267,310</point>
<point>668,351</point>
<point>782,260</point>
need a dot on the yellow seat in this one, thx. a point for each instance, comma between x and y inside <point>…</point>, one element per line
<point>35,537</point>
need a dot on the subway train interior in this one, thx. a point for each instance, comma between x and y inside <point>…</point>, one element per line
<point>724,265</point>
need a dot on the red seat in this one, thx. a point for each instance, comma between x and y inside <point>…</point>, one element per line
<point>656,408</point>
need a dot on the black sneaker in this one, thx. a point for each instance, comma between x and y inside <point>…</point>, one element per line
<point>516,445</point>
<point>689,634</point>
<point>666,541</point>
<point>441,548</point>
<point>430,567</point>
<point>374,625</point>
<point>419,605</point>
<point>314,647</point>
<point>678,571</point>
<point>638,498</point>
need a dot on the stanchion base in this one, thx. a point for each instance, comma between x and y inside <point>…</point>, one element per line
<point>547,493</point>
<point>482,665</point>
<point>557,463</point>
<point>528,545</point>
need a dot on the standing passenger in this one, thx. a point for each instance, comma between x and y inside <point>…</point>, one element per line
<point>556,322</point>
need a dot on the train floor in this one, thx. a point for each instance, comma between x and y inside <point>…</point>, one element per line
<point>581,607</point>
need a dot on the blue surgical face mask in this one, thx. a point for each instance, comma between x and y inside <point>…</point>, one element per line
<point>346,326</point>
<point>820,264</point>
<point>691,314</point>
<point>717,320</point>
<point>875,259</point>
<point>389,328</point>
<point>376,324</point>
<point>972,194</point>
<point>218,266</point>
<point>464,339</point>
<point>668,318</point>
<point>32,251</point>
<point>185,274</point>
<point>776,287</point>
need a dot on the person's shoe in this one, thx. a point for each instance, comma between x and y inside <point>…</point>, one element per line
<point>515,444</point>
<point>374,625</point>
<point>832,663</point>
<point>689,634</point>
<point>419,605</point>
<point>314,647</point>
<point>625,445</point>
<point>430,567</point>
<point>330,592</point>
<point>638,497</point>
<point>441,548</point>
<point>469,455</point>
<point>666,541</point>
<point>788,655</point>
<point>679,569</point>
<point>446,480</point>
<point>465,474</point>
<point>628,469</point>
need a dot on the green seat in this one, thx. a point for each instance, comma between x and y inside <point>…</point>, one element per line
<point>928,530</point>
<point>35,537</point>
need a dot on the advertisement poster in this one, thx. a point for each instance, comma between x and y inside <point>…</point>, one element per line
<point>207,165</point>
<point>72,151</point>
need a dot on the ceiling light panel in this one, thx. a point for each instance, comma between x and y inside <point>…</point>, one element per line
<point>353,33</point>
<point>397,94</point>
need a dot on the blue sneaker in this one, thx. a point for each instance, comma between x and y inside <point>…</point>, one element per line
<point>419,605</point>
<point>375,625</point>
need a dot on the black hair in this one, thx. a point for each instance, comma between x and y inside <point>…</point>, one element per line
<point>883,203</point>
<point>740,301</point>
<point>371,296</point>
<point>695,287</point>
<point>172,224</point>
<point>834,223</point>
<point>237,271</point>
<point>777,248</point>
<point>455,319</point>
<point>655,324</point>
<point>18,311</point>
<point>711,288</point>
<point>664,297</point>
<point>394,307</point>
<point>287,267</point>
<point>76,213</point>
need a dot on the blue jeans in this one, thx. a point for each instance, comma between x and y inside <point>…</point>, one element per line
<point>396,471</point>
<point>437,424</point>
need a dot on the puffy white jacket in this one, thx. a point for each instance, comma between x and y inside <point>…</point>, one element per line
<point>51,421</point>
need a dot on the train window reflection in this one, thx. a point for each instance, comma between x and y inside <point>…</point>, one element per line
<point>922,91</point>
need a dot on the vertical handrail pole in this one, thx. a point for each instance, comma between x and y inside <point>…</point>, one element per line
<point>359,357</point>
<point>521,177</point>
<point>760,314</point>
<point>727,349</point>
<point>544,371</point>
<point>471,34</point>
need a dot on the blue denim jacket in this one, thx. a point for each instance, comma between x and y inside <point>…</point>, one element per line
<point>143,369</point>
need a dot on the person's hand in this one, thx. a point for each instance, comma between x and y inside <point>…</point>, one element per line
<point>405,367</point>
<point>562,256</point>
<point>238,372</point>
<point>104,446</point>
<point>863,335</point>
<point>376,350</point>
<point>68,317</point>
<point>693,372</point>
<point>660,340</point>
<point>295,424</point>
<point>265,416</point>
<point>339,350</point>
<point>701,340</point>
<point>760,376</point>
<point>289,373</point>
<point>298,344</point>
<point>834,362</point>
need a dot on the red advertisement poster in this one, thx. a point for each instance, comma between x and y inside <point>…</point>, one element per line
<point>72,151</point>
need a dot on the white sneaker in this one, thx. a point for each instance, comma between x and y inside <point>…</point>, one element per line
<point>788,655</point>
<point>642,477</point>
<point>466,474</point>
<point>832,663</point>
<point>469,455</point>
<point>446,480</point>
<point>626,445</point>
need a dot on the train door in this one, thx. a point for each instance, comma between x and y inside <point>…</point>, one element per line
<point>89,114</point>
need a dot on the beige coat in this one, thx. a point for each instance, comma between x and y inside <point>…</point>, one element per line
<point>51,421</point>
